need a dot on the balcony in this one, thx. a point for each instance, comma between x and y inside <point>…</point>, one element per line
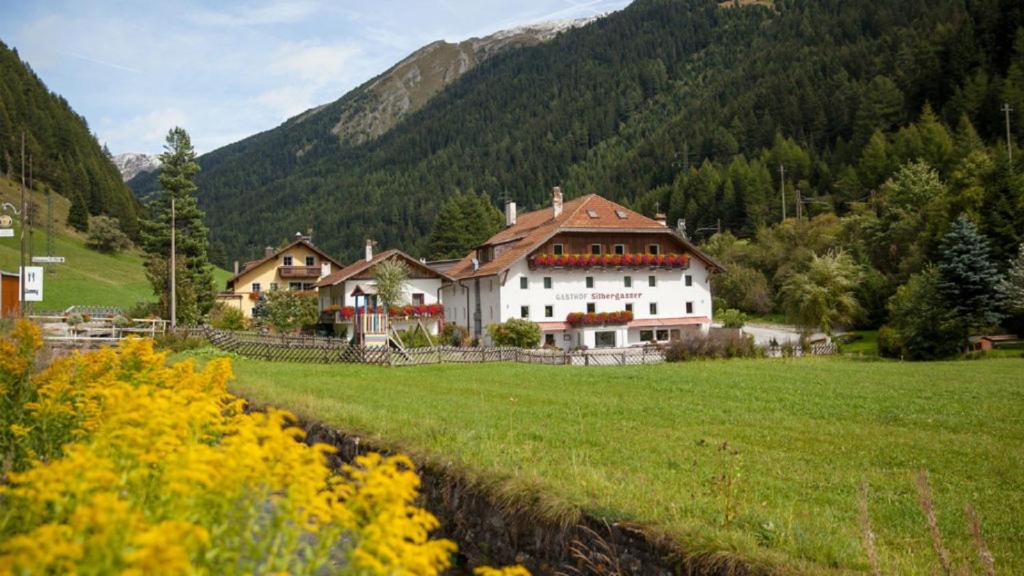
<point>302,272</point>
<point>610,261</point>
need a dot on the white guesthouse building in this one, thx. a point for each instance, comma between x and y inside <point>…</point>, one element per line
<point>590,272</point>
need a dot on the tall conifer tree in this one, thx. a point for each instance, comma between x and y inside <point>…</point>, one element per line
<point>194,273</point>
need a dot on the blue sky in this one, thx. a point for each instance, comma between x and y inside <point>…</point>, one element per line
<point>226,70</point>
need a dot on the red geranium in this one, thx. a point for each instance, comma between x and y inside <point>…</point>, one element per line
<point>348,312</point>
<point>661,260</point>
<point>648,259</point>
<point>617,260</point>
<point>628,260</point>
<point>435,309</point>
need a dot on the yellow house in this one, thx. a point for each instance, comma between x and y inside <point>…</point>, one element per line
<point>298,266</point>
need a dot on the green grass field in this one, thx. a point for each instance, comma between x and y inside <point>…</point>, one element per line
<point>758,459</point>
<point>87,277</point>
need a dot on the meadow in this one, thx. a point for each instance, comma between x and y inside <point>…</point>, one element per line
<point>87,277</point>
<point>755,460</point>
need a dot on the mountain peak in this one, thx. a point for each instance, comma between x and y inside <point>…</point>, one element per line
<point>130,164</point>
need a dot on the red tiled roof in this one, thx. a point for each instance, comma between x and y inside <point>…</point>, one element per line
<point>254,263</point>
<point>361,265</point>
<point>587,213</point>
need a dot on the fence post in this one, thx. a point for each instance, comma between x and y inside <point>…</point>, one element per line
<point>586,358</point>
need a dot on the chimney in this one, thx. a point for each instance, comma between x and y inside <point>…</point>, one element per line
<point>369,249</point>
<point>268,251</point>
<point>556,200</point>
<point>660,218</point>
<point>510,213</point>
<point>236,267</point>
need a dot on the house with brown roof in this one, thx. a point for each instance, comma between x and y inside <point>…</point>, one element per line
<point>421,295</point>
<point>590,272</point>
<point>297,267</point>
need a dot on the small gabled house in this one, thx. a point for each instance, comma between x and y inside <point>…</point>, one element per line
<point>297,267</point>
<point>422,302</point>
<point>590,272</point>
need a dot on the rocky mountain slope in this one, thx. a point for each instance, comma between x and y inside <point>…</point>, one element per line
<point>411,83</point>
<point>131,164</point>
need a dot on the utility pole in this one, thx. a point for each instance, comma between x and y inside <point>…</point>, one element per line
<point>24,215</point>
<point>174,267</point>
<point>782,189</point>
<point>29,215</point>
<point>799,205</point>
<point>1009,148</point>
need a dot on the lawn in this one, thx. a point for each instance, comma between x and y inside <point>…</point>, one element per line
<point>87,277</point>
<point>759,459</point>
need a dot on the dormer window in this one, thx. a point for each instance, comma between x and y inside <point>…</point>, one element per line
<point>287,261</point>
<point>485,254</point>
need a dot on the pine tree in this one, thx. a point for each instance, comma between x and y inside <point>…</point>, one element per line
<point>967,277</point>
<point>78,214</point>
<point>465,221</point>
<point>195,280</point>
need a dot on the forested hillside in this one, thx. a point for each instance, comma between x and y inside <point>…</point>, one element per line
<point>65,154</point>
<point>631,106</point>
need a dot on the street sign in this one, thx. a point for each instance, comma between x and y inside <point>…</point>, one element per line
<point>47,259</point>
<point>32,276</point>
<point>6,233</point>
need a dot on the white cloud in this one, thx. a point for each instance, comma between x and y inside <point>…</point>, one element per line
<point>314,62</point>
<point>149,127</point>
<point>270,13</point>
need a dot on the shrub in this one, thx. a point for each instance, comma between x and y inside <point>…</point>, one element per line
<point>889,343</point>
<point>714,345</point>
<point>75,319</point>
<point>105,235</point>
<point>289,311</point>
<point>178,342</point>
<point>120,321</point>
<point>515,332</point>
<point>732,318</point>
<point>455,335</point>
<point>144,310</point>
<point>224,317</point>
<point>123,464</point>
<point>926,327</point>
<point>414,338</point>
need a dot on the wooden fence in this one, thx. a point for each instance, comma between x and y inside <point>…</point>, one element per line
<point>322,350</point>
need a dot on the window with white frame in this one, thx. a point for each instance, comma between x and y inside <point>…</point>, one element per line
<point>287,261</point>
<point>620,249</point>
<point>255,287</point>
<point>595,249</point>
<point>557,249</point>
<point>654,249</point>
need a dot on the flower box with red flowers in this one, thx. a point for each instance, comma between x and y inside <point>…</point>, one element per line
<point>610,261</point>
<point>576,319</point>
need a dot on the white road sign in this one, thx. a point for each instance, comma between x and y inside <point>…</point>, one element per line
<point>47,259</point>
<point>32,276</point>
<point>6,233</point>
